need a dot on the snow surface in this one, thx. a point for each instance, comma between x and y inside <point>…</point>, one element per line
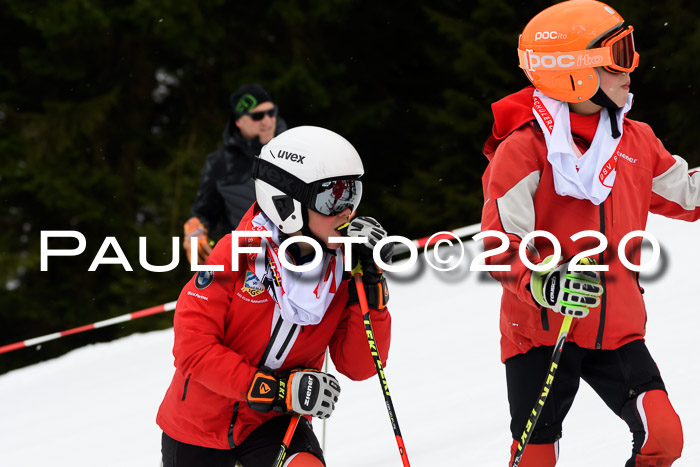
<point>97,405</point>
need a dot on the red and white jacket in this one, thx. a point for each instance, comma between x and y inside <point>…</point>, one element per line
<point>520,198</point>
<point>221,333</point>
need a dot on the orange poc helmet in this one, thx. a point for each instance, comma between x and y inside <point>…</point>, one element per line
<point>561,46</point>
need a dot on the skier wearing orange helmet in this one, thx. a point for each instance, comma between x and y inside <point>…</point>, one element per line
<point>564,158</point>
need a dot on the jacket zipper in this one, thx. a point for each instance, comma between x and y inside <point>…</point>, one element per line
<point>187,382</point>
<point>286,342</point>
<point>230,427</point>
<point>544,318</point>
<point>273,336</point>
<point>603,301</point>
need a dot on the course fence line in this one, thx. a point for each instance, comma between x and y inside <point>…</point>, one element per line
<point>100,324</point>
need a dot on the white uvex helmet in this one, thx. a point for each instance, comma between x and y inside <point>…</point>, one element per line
<point>306,166</point>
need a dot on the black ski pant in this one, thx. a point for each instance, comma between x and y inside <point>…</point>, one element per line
<point>259,449</point>
<point>617,376</point>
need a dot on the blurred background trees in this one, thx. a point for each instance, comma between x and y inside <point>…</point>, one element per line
<point>108,109</point>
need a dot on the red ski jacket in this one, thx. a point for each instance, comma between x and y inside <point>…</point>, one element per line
<point>222,329</point>
<point>520,198</point>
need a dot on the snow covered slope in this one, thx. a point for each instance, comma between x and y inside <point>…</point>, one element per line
<point>97,405</point>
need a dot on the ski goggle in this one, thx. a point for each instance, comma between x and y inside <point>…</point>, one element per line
<point>335,196</point>
<point>621,46</point>
<point>616,54</point>
<point>329,197</point>
<point>257,116</point>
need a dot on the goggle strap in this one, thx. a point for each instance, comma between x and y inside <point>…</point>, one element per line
<point>555,61</point>
<point>282,180</point>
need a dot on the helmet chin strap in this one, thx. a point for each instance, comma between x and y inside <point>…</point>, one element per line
<point>602,99</point>
<point>305,230</point>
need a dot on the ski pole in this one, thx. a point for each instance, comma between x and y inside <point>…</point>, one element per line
<point>378,363</point>
<point>286,440</point>
<point>325,370</point>
<point>537,409</point>
<point>549,379</point>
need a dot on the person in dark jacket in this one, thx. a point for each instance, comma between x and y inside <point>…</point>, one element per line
<point>226,190</point>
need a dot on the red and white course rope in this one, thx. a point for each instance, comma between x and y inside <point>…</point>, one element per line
<point>100,324</point>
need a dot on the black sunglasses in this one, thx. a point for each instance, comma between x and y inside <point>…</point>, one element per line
<point>257,116</point>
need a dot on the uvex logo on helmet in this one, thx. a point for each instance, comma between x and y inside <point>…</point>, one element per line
<point>544,35</point>
<point>289,156</point>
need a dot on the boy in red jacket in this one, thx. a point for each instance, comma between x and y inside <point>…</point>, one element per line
<point>565,159</point>
<point>251,336</point>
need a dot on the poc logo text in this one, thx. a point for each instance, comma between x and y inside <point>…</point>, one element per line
<point>544,35</point>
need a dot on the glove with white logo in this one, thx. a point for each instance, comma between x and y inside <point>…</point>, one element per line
<point>303,391</point>
<point>567,292</point>
<point>372,277</point>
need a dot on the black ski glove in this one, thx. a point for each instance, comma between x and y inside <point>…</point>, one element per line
<point>302,391</point>
<point>372,277</point>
